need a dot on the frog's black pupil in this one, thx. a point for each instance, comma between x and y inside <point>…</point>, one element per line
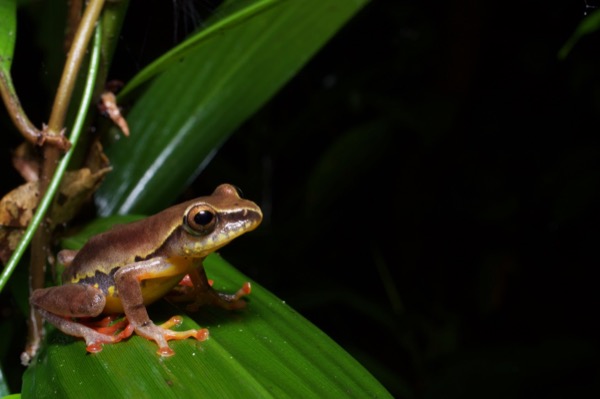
<point>203,218</point>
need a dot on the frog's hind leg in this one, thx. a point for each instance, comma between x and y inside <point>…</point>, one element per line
<point>93,339</point>
<point>58,304</point>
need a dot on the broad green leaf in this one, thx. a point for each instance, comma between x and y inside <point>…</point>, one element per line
<point>237,13</point>
<point>193,106</point>
<point>8,33</point>
<point>265,351</point>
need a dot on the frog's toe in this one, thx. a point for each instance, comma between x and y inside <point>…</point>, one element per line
<point>94,347</point>
<point>161,334</point>
<point>235,301</point>
<point>200,334</point>
<point>165,352</point>
<point>94,340</point>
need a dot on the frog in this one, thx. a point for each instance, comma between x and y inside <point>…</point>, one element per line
<point>130,266</point>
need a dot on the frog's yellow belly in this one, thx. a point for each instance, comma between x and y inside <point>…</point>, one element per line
<point>152,290</point>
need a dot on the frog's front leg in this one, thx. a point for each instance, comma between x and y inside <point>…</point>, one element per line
<point>128,282</point>
<point>202,293</point>
<point>57,304</point>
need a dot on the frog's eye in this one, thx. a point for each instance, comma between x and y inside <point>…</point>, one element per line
<point>200,220</point>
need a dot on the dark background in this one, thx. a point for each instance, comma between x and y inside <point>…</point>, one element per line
<point>433,177</point>
<point>430,182</point>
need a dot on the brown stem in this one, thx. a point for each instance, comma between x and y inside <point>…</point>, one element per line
<point>72,65</point>
<point>73,19</point>
<point>51,156</point>
<point>20,119</point>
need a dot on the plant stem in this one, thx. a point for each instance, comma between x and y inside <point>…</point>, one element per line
<point>72,65</point>
<point>51,156</point>
<point>20,119</point>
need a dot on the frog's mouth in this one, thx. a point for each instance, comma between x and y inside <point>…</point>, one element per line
<point>235,223</point>
<point>229,226</point>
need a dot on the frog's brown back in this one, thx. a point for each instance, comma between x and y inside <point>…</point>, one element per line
<point>124,244</point>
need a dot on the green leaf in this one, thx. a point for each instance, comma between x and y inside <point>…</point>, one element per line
<point>188,111</point>
<point>267,350</point>
<point>588,25</point>
<point>3,385</point>
<point>8,37</point>
<point>237,13</point>
<point>8,33</point>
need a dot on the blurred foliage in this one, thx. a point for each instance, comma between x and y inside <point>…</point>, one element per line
<point>429,182</point>
<point>588,25</point>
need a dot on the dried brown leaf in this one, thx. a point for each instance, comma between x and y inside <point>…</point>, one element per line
<point>16,211</point>
<point>76,189</point>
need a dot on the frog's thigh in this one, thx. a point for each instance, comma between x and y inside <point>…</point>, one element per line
<point>70,300</point>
